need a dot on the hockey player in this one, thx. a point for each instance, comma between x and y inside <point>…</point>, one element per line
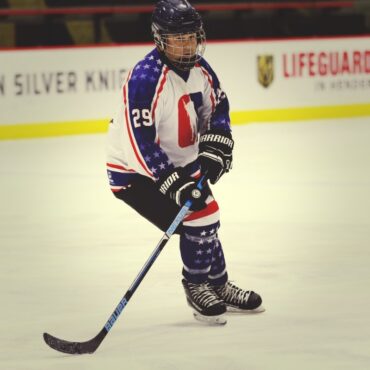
<point>173,125</point>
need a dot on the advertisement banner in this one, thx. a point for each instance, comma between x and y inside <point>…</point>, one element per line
<point>264,80</point>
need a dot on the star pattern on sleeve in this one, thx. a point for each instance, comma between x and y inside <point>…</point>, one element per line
<point>145,76</point>
<point>147,69</point>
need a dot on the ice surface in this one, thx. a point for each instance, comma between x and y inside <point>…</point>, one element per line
<point>295,227</point>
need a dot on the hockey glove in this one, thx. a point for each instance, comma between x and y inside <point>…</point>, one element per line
<point>180,187</point>
<point>215,153</point>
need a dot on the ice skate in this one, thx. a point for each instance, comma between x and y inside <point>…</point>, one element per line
<point>207,307</point>
<point>238,300</point>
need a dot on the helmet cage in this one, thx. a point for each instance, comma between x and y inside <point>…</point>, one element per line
<point>179,57</point>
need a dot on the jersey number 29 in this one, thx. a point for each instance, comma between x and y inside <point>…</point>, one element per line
<point>141,117</point>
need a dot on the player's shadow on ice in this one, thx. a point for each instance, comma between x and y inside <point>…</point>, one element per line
<point>189,324</point>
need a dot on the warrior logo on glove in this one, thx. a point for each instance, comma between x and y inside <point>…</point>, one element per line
<point>206,138</point>
<point>215,153</point>
<point>180,187</point>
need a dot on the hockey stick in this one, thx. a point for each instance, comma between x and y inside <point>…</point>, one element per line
<point>90,346</point>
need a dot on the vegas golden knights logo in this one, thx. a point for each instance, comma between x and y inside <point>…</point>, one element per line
<point>265,70</point>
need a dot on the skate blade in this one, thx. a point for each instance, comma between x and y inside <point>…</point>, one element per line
<point>210,320</point>
<point>230,309</point>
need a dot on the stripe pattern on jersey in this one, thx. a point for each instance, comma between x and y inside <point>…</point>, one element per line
<point>220,118</point>
<point>129,126</point>
<point>141,94</point>
<point>120,177</point>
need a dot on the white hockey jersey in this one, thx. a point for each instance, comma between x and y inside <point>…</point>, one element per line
<point>161,114</point>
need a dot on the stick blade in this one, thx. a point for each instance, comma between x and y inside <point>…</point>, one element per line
<point>74,348</point>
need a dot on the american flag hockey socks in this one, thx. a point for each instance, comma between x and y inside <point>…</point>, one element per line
<point>202,255</point>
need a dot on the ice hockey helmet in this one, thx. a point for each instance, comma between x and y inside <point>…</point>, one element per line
<point>177,17</point>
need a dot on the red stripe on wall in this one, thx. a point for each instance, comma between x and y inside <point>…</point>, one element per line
<point>268,5</point>
<point>150,43</point>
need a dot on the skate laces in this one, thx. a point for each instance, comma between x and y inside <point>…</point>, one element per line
<point>203,294</point>
<point>230,293</point>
